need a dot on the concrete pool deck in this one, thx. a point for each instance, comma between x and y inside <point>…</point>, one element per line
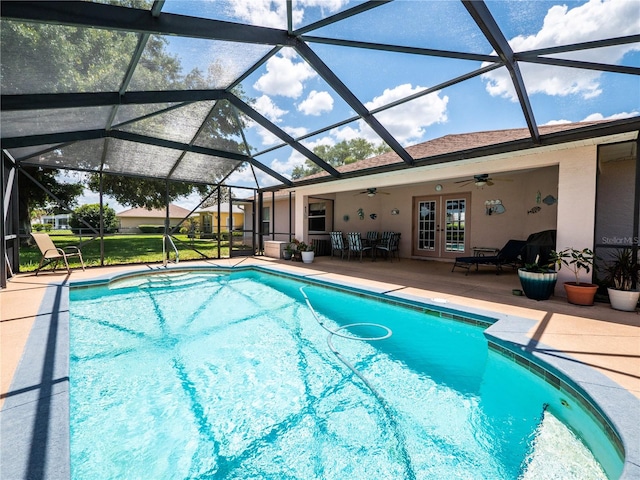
<point>605,340</point>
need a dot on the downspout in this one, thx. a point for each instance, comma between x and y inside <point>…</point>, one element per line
<point>101,222</point>
<point>636,210</point>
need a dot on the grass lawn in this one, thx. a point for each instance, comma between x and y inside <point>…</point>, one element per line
<point>124,249</point>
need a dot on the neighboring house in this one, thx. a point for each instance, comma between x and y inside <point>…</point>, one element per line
<point>131,219</point>
<point>584,189</point>
<point>57,222</point>
<point>209,223</point>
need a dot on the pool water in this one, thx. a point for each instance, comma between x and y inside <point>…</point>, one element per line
<point>229,376</point>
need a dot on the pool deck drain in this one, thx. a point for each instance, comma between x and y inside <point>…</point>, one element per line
<point>606,340</point>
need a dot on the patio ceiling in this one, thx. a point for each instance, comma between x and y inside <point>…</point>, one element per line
<point>197,91</point>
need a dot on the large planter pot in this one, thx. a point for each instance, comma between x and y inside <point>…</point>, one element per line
<point>624,300</point>
<point>307,257</point>
<point>538,285</point>
<point>582,294</point>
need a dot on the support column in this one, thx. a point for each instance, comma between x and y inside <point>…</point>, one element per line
<point>576,205</point>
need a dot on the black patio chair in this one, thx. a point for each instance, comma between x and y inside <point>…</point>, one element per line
<point>507,255</point>
<point>337,244</point>
<point>391,247</point>
<point>355,245</point>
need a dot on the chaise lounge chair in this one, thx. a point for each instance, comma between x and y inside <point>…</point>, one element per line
<point>507,255</point>
<point>51,254</point>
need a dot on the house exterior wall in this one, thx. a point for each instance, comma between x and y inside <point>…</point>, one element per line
<point>130,224</point>
<point>565,172</point>
<point>212,225</point>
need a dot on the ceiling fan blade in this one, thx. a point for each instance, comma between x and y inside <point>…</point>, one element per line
<point>489,182</point>
<point>465,183</point>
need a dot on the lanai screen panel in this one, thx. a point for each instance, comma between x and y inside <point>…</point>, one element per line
<point>129,113</point>
<point>54,120</point>
<point>200,63</point>
<point>195,167</point>
<point>222,130</point>
<point>75,59</point>
<point>26,152</point>
<point>84,156</point>
<point>178,125</point>
<point>133,158</point>
<point>142,73</point>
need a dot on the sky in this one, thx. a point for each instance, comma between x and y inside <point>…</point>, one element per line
<point>289,92</point>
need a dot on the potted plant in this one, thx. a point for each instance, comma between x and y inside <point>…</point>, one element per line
<point>538,281</point>
<point>287,253</point>
<point>307,251</point>
<point>578,293</point>
<point>623,274</point>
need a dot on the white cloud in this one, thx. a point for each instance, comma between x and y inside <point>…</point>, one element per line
<point>270,13</point>
<point>596,19</point>
<point>594,117</point>
<point>316,103</point>
<point>295,132</point>
<point>407,122</point>
<point>266,107</point>
<point>284,77</point>
<point>266,13</point>
<point>616,116</point>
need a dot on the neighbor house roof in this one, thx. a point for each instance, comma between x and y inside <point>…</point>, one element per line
<point>224,208</point>
<point>174,212</point>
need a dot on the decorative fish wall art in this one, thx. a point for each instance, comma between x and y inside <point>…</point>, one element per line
<point>535,209</point>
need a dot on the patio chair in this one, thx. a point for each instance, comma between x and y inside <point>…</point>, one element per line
<point>507,255</point>
<point>391,247</point>
<point>337,244</point>
<point>52,254</point>
<point>371,238</point>
<point>355,245</point>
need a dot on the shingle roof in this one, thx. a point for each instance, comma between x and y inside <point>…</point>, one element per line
<point>174,212</point>
<point>452,143</point>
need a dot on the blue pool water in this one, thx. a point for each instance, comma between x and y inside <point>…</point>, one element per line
<point>229,376</point>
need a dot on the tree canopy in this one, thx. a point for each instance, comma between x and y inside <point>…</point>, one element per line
<point>342,153</point>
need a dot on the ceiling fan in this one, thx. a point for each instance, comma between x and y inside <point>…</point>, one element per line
<point>371,192</point>
<point>478,180</point>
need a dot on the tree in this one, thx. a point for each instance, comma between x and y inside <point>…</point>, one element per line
<point>342,153</point>
<point>90,214</point>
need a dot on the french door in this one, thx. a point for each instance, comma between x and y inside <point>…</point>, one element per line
<point>440,225</point>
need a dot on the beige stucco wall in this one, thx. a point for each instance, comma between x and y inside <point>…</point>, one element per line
<point>130,224</point>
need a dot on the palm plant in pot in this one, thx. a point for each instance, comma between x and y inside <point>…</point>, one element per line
<point>578,293</point>
<point>538,281</point>
<point>307,251</point>
<point>623,274</point>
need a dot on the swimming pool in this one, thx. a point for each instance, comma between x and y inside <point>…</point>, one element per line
<point>229,375</point>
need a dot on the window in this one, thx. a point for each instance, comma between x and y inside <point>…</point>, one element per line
<point>317,216</point>
<point>266,220</point>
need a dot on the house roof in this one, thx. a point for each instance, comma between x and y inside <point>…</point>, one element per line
<point>498,140</point>
<point>174,212</point>
<point>224,208</point>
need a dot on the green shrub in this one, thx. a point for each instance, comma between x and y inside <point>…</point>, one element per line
<point>151,228</point>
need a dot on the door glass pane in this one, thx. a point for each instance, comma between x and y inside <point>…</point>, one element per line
<point>455,225</point>
<point>427,226</point>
